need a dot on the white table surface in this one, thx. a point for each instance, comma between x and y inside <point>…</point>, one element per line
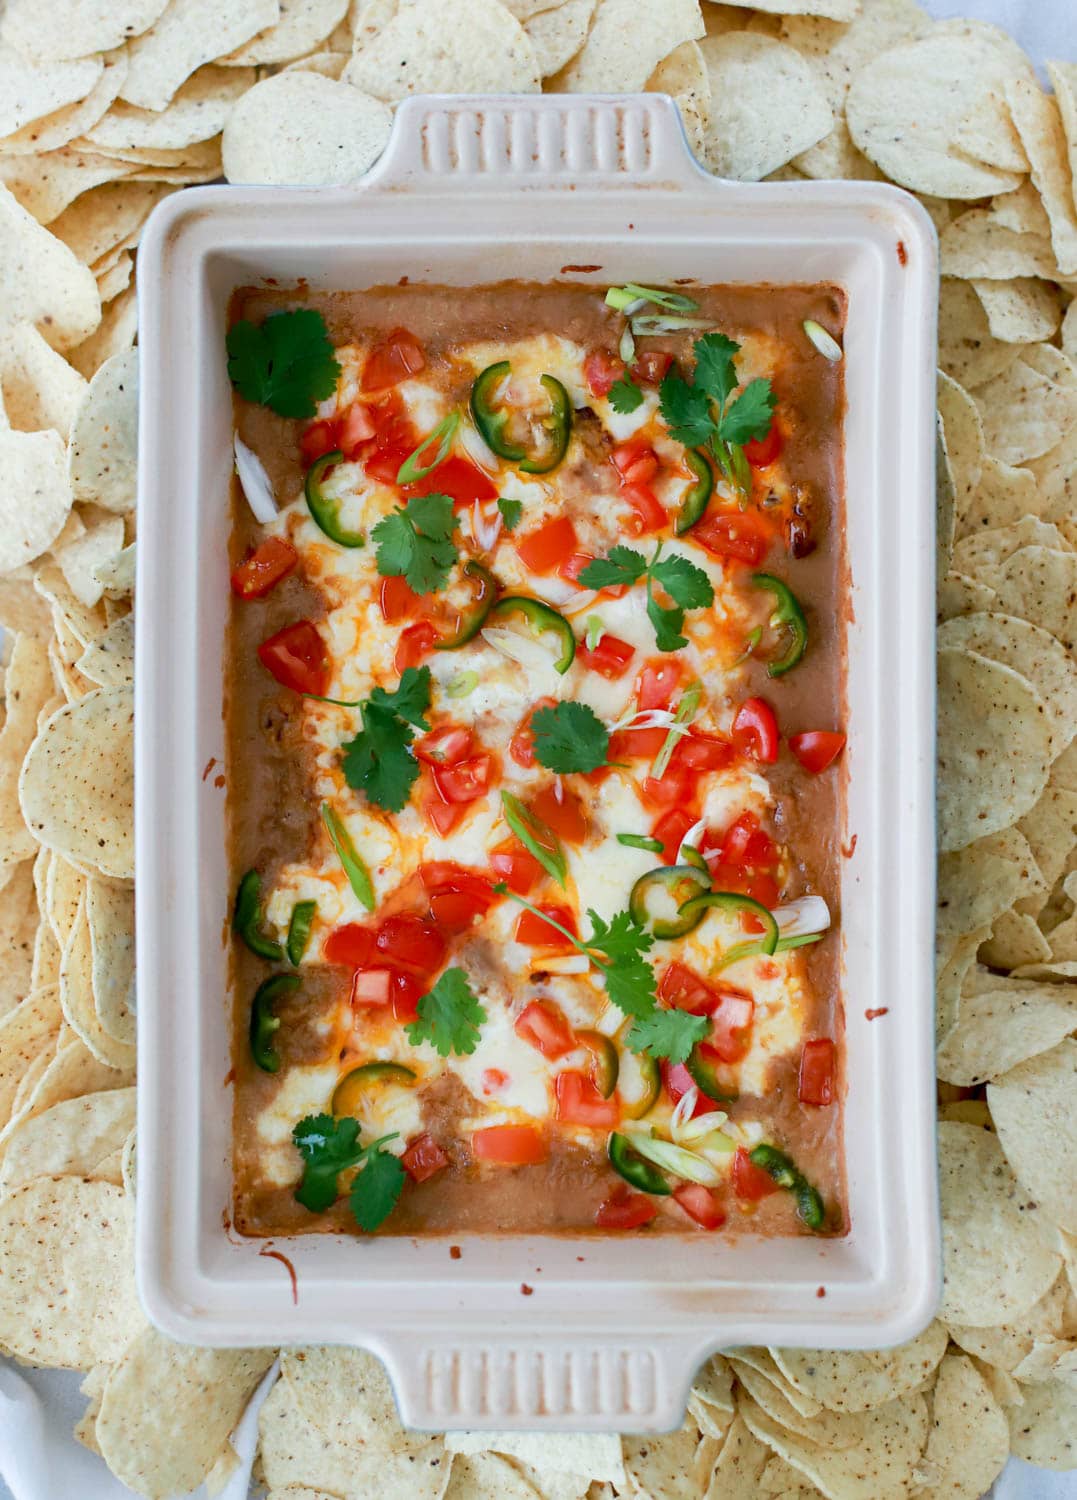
<point>1045,28</point>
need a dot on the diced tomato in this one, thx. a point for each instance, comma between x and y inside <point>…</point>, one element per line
<point>652,366</point>
<point>516,866</point>
<point>405,992</point>
<point>750,1182</point>
<point>625,1210</point>
<point>372,987</point>
<point>761,452</point>
<point>543,1025</point>
<point>658,684</point>
<point>650,513</point>
<point>467,780</point>
<point>545,550</point>
<point>758,884</point>
<point>494,1080</point>
<point>730,1036</point>
<point>423,1158</point>
<point>564,814</point>
<point>397,358</point>
<point>684,989</point>
<point>671,789</point>
<point>447,875</point>
<point>700,1204</point>
<point>415,645</point>
<point>351,944</point>
<point>442,816</point>
<point>446,745</point>
<point>740,534</point>
<point>393,423</point>
<point>611,658</point>
<point>384,464</point>
<point>635,461</point>
<point>355,429</point>
<point>636,744</point>
<point>702,752</point>
<point>670,830</point>
<point>297,657</point>
<point>602,370</point>
<point>319,438</point>
<point>411,942</point>
<point>816,1081</point>
<point>580,1103</point>
<point>263,568</point>
<point>755,730</point>
<point>678,1081</point>
<point>457,895</point>
<point>458,477</point>
<point>817,748</point>
<point>534,932</point>
<point>522,744</point>
<point>510,1145</point>
<point>399,601</point>
<point>745,845</point>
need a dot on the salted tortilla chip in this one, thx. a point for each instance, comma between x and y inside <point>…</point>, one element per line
<point>968,352</point>
<point>43,282</point>
<point>974,886</point>
<point>79,1001</point>
<point>1039,123</point>
<point>27,690</point>
<point>484,1476</point>
<point>978,245</point>
<point>628,39</point>
<point>1015,940</point>
<point>1031,651</point>
<point>1020,311</point>
<point>905,107</point>
<point>1032,1106</point>
<point>1005,1345</point>
<point>75,28</point>
<point>30,91</point>
<point>1040,584</point>
<point>67,125</point>
<point>1025,413</point>
<point>100,220</point>
<point>1043,1429</point>
<point>46,184</point>
<point>303,128</point>
<point>73,1138</point>
<point>117,278</point>
<point>197,112</point>
<point>963,438</point>
<point>969,1440</point>
<point>996,1030</point>
<point>594,1453</point>
<point>27,1032</point>
<point>40,389</point>
<point>960,595</point>
<point>119,322</point>
<point>853,1381</point>
<point>79,558</point>
<point>346,1394</point>
<point>994,747</point>
<point>18,925</point>
<point>666,1464</point>
<point>762,1361</point>
<point>103,456</point>
<point>985,552</point>
<point>303,25</point>
<point>767,105</point>
<point>683,75</point>
<point>987,132</point>
<point>1004,494</point>
<point>110,661</point>
<point>739,1466</point>
<point>557,35</point>
<point>448,46</point>
<point>64,888</point>
<point>996,1263</point>
<point>110,915</point>
<point>188,34</point>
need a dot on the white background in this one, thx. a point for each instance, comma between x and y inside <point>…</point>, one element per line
<point>64,1470</point>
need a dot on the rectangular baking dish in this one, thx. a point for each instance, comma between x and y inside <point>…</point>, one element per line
<point>473,190</point>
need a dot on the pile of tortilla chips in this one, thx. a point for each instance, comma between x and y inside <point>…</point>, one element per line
<point>108,105</point>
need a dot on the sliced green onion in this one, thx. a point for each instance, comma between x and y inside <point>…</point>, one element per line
<point>749,646</point>
<point>826,344</point>
<point>645,324</point>
<point>596,629</point>
<point>356,871</point>
<point>529,830</point>
<point>621,297</point>
<point>627,347</point>
<point>641,841</point>
<point>751,950</point>
<point>462,684</point>
<point>689,701</point>
<point>411,469</point>
<point>673,1158</point>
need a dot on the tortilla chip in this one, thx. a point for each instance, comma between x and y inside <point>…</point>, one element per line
<point>64,889</point>
<point>79,1001</point>
<point>448,46</point>
<point>978,245</point>
<point>666,1466</point>
<point>1025,413</point>
<point>1005,494</point>
<point>739,1466</point>
<point>110,915</point>
<point>27,1032</point>
<point>31,91</point>
<point>1040,584</point>
<point>43,282</point>
<point>101,219</point>
<point>485,1476</point>
<point>628,39</point>
<point>168,1409</point>
<point>996,1264</point>
<point>1039,124</point>
<point>597,1454</point>
<point>767,105</point>
<point>762,1361</point>
<point>960,595</point>
<point>188,34</point>
<point>1005,1345</point>
<point>1030,650</point>
<point>1015,940</point>
<point>975,885</point>
<point>346,1394</point>
<point>103,457</point>
<point>68,124</point>
<point>997,1030</point>
<point>117,278</point>
<point>119,322</point>
<point>198,111</point>
<point>27,689</point>
<point>1043,1429</point>
<point>38,386</point>
<point>110,661</point>
<point>1020,311</point>
<point>46,184</point>
<point>79,558</point>
<point>969,1440</point>
<point>303,25</point>
<point>905,107</point>
<point>1032,1106</point>
<point>303,128</point>
<point>557,35</point>
<point>994,747</point>
<point>18,924</point>
<point>75,28</point>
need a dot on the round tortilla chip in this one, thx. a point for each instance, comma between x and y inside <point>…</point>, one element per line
<point>69,1139</point>
<point>447,47</point>
<point>1022,310</point>
<point>67,1285</point>
<point>29,91</point>
<point>80,804</point>
<point>66,125</point>
<point>188,34</point>
<point>1033,1107</point>
<point>1032,652</point>
<point>995,1261</point>
<point>1043,1429</point>
<point>75,28</point>
<point>767,105</point>
<point>43,283</point>
<point>969,1440</point>
<point>197,113</point>
<point>994,747</point>
<point>627,41</point>
<point>103,453</point>
<point>1040,584</point>
<point>1007,1344</point>
<point>854,1381</point>
<point>346,1394</point>
<point>557,35</point>
<point>303,128</point>
<point>998,1029</point>
<point>110,916</point>
<point>303,25</point>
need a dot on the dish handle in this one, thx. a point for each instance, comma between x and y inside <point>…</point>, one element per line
<point>586,1384</point>
<point>600,142</point>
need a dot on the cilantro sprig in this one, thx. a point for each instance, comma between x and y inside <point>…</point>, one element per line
<point>286,363</point>
<point>415,542</point>
<point>378,761</point>
<point>625,395</point>
<point>511,512</point>
<point>688,587</point>
<point>707,412</point>
<point>449,1016</point>
<point>330,1146</point>
<point>569,737</point>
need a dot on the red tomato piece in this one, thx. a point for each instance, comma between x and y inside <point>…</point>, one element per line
<point>423,1158</point>
<point>745,845</point>
<point>319,438</point>
<point>755,731</point>
<point>399,601</point>
<point>625,1210</point>
<point>760,885</point>
<point>263,568</point>
<point>522,744</point>
<point>510,1145</point>
<point>405,992</point>
<point>442,816</point>
<point>372,987</point>
<point>700,1204</point>
<point>702,752</point>
<point>750,1182</point>
<point>351,944</point>
<point>678,1081</point>
<point>446,745</point>
<point>602,370</point>
<point>458,477</point>
<point>457,895</point>
<point>516,866</point>
<point>817,749</point>
<point>658,684</point>
<point>730,1036</point>
<point>580,1103</point>
<point>564,814</point>
<point>670,830</point>
<point>415,645</point>
<point>816,1082</point>
<point>534,932</point>
<point>652,366</point>
<point>397,358</point>
<point>611,658</point>
<point>635,461</point>
<point>671,789</point>
<point>467,780</point>
<point>384,464</point>
<point>411,942</point>
<point>650,513</point>
<point>543,1025</point>
<point>545,550</point>
<point>355,428</point>
<point>740,534</point>
<point>296,656</point>
<point>636,744</point>
<point>761,452</point>
<point>684,989</point>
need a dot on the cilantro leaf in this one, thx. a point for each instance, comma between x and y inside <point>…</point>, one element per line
<point>511,511</point>
<point>569,737</point>
<point>449,1016</point>
<point>620,565</point>
<point>686,584</point>
<point>667,1033</point>
<point>327,1147</point>
<point>750,414</point>
<point>686,411</point>
<point>415,542</point>
<point>376,1188</point>
<point>668,624</point>
<point>378,761</point>
<point>705,413</point>
<point>715,370</point>
<point>286,363</point>
<point>625,396</point>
